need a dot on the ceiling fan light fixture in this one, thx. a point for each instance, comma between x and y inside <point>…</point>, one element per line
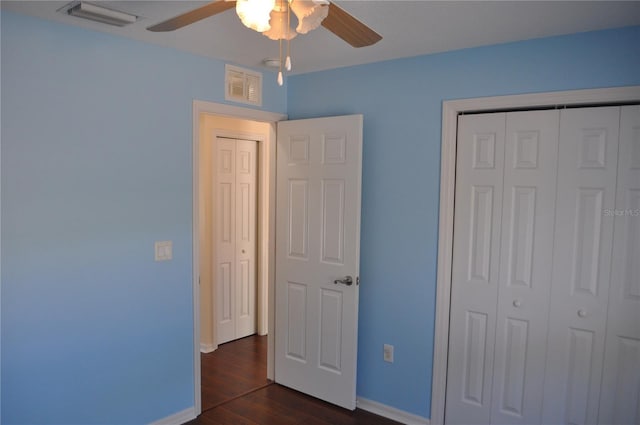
<point>309,13</point>
<point>303,8</point>
<point>255,14</point>
<point>279,29</point>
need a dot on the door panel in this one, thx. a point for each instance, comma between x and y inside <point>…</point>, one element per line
<point>530,167</point>
<point>225,204</point>
<point>475,345</point>
<point>245,234</point>
<point>620,399</point>
<point>298,211</point>
<point>317,243</point>
<point>235,236</point>
<point>588,158</point>
<point>476,252</point>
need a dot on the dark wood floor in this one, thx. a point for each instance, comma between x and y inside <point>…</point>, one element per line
<point>276,404</point>
<point>235,368</point>
<point>235,391</point>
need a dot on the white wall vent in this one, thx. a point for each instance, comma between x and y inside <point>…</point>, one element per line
<point>243,85</point>
<point>95,12</point>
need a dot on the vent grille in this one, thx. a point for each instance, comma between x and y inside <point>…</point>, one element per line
<point>94,12</point>
<point>243,85</point>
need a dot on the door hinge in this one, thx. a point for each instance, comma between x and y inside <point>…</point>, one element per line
<point>357,280</point>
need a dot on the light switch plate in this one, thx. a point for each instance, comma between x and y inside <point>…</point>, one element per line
<point>388,353</point>
<point>164,250</point>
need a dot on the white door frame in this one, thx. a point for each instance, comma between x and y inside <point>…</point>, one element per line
<point>264,253</point>
<point>450,111</point>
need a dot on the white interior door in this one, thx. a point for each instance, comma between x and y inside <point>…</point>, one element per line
<point>587,168</point>
<point>506,175</point>
<point>317,256</point>
<point>475,273</point>
<point>620,393</point>
<point>235,236</point>
<point>529,197</point>
<point>555,337</point>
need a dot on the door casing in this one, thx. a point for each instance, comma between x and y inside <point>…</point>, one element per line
<point>268,216</point>
<point>450,111</point>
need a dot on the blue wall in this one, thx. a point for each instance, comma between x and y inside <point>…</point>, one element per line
<point>96,166</point>
<point>401,101</point>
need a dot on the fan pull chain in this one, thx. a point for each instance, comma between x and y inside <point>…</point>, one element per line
<point>280,79</point>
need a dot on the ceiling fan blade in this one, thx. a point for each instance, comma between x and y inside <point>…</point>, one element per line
<point>348,28</point>
<point>195,15</point>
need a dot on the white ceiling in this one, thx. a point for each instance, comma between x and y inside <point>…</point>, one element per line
<point>409,28</point>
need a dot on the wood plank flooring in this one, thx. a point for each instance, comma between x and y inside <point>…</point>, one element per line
<point>278,405</point>
<point>235,368</point>
<point>235,391</point>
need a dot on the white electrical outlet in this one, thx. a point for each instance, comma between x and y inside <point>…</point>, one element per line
<point>388,353</point>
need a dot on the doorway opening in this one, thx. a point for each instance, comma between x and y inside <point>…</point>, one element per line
<point>235,369</point>
<point>213,122</point>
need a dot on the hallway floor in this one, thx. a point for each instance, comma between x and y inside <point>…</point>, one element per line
<point>235,391</point>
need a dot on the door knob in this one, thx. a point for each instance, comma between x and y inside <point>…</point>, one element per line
<point>347,280</point>
<point>517,303</point>
<point>582,313</point>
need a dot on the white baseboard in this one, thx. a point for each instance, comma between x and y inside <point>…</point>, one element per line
<point>390,412</point>
<point>207,348</point>
<point>177,418</point>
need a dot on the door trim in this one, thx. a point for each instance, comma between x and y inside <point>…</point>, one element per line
<point>203,107</point>
<point>450,111</point>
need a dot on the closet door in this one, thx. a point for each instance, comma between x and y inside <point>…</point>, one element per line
<point>503,241</point>
<point>529,198</point>
<point>246,246</point>
<point>476,254</point>
<point>583,238</point>
<point>235,236</point>
<point>224,235</point>
<point>620,399</point>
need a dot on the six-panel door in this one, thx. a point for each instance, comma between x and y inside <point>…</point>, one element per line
<point>317,246</point>
<point>235,237</point>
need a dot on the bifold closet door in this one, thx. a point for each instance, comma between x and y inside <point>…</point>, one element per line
<point>476,255</point>
<point>235,237</point>
<point>526,252</point>
<point>620,393</point>
<point>583,238</point>
<point>545,323</point>
<point>505,195</point>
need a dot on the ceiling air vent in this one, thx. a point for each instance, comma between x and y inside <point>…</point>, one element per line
<point>243,85</point>
<point>98,13</point>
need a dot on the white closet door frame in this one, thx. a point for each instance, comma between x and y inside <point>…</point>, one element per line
<point>450,111</point>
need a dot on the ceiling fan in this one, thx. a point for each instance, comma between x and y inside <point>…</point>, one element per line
<point>338,21</point>
<point>273,19</point>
